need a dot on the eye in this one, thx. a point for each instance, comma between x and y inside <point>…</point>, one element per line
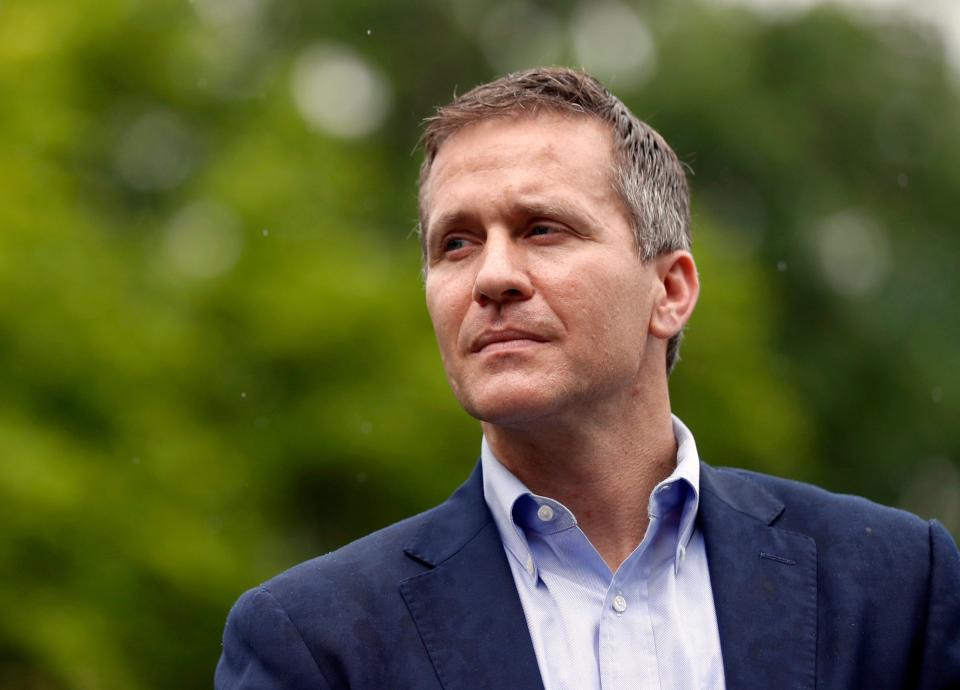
<point>452,244</point>
<point>540,229</point>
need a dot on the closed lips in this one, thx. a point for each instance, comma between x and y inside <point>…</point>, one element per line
<point>491,337</point>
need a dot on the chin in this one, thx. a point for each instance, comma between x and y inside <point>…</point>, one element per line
<point>509,405</point>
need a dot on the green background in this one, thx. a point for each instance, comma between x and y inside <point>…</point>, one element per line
<point>215,360</point>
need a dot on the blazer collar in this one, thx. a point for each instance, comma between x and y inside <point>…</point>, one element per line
<point>741,494</point>
<point>452,524</point>
<point>466,605</point>
<point>764,582</point>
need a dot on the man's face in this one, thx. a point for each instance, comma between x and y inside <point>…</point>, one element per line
<point>539,301</point>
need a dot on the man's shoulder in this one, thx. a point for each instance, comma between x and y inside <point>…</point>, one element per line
<point>819,512</point>
<point>367,572</point>
<point>865,554</point>
<point>328,594</point>
<point>339,615</point>
<point>360,564</point>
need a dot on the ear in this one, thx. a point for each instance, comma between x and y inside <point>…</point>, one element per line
<point>673,306</point>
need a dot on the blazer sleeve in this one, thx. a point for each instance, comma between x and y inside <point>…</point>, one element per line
<point>941,650</point>
<point>263,649</point>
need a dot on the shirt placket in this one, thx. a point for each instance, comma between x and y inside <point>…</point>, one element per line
<point>626,611</point>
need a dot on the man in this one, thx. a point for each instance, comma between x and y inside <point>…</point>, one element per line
<point>591,548</point>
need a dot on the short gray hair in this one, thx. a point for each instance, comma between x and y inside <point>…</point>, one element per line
<point>647,174</point>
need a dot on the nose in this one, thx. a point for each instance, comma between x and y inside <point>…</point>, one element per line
<point>502,275</point>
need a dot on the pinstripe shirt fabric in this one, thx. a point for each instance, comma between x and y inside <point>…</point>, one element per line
<point>651,624</point>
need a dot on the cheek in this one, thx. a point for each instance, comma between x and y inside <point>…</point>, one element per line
<point>615,311</point>
<point>446,313</point>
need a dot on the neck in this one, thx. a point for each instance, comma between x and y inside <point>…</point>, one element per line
<point>602,467</point>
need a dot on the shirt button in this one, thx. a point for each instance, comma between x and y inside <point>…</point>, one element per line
<point>545,513</point>
<point>529,565</point>
<point>619,604</point>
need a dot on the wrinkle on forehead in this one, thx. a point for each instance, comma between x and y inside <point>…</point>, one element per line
<point>540,117</point>
<point>487,149</point>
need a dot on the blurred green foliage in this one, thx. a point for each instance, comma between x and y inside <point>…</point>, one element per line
<point>214,356</point>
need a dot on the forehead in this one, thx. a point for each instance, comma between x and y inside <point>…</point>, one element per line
<point>546,155</point>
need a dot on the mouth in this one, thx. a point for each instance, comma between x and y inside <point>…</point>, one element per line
<point>507,339</point>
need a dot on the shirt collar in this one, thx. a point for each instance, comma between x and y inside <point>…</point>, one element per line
<point>687,471</point>
<point>502,490</point>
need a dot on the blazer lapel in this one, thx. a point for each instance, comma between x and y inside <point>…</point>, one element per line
<point>764,583</point>
<point>466,605</point>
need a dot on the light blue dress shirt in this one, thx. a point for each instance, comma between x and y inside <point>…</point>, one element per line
<point>651,624</point>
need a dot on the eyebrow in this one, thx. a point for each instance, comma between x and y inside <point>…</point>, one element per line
<point>529,208</point>
<point>536,208</point>
<point>447,220</point>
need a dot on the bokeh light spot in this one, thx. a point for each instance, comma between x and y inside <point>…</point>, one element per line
<point>853,252</point>
<point>220,13</point>
<point>613,43</point>
<point>155,152</point>
<point>339,92</point>
<point>204,240</point>
<point>517,36</point>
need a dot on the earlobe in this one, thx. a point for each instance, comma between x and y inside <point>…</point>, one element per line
<point>677,274</point>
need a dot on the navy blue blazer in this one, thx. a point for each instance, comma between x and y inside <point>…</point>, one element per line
<point>812,590</point>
